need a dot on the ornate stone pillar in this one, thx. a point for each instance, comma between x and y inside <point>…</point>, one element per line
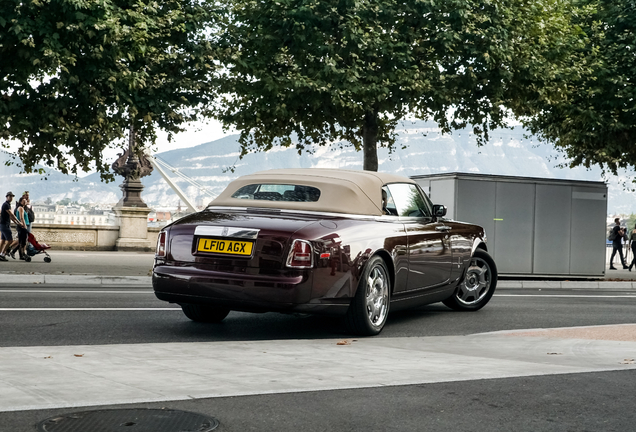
<point>131,211</point>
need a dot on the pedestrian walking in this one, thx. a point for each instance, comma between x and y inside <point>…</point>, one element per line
<point>15,246</point>
<point>616,236</point>
<point>632,244</point>
<point>22,216</point>
<point>6,216</point>
<point>29,210</point>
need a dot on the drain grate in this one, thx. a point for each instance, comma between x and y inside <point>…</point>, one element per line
<point>130,420</point>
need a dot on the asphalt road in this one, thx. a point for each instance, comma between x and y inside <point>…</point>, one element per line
<point>96,315</point>
<point>600,401</point>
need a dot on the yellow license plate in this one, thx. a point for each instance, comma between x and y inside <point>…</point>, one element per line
<point>233,247</point>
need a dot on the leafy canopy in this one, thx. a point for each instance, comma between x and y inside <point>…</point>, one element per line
<point>305,72</point>
<point>595,121</point>
<point>75,74</point>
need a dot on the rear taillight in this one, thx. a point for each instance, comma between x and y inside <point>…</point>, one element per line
<point>161,245</point>
<point>301,255</point>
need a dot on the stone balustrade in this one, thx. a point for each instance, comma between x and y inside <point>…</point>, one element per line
<point>84,237</point>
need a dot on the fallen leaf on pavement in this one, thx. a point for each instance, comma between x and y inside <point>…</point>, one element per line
<point>47,357</point>
<point>628,361</point>
<point>78,355</point>
<point>343,342</point>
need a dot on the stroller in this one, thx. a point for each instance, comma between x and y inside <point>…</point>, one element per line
<point>34,248</point>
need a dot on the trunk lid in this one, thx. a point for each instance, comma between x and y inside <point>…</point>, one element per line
<point>255,239</point>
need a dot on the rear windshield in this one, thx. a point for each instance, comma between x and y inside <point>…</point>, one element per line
<point>278,192</point>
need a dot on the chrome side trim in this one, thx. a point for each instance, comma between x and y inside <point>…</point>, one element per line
<point>300,212</point>
<point>383,218</point>
<point>220,231</point>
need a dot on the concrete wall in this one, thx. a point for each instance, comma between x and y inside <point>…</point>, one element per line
<point>153,234</point>
<point>82,237</point>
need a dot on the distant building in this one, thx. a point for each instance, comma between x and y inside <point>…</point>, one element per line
<point>164,216</point>
<point>73,214</point>
<point>44,213</point>
<point>159,218</point>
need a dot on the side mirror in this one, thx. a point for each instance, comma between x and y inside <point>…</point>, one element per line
<point>439,210</point>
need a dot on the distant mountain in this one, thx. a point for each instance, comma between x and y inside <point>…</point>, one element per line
<point>420,149</point>
<point>54,185</point>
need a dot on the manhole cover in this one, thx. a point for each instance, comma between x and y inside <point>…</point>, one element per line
<point>130,420</point>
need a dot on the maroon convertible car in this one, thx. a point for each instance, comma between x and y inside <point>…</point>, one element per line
<point>323,241</point>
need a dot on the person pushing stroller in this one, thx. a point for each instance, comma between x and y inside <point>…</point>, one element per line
<point>6,216</point>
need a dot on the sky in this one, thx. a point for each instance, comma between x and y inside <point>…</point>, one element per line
<point>196,133</point>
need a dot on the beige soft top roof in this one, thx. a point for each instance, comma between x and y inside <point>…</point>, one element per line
<point>341,191</point>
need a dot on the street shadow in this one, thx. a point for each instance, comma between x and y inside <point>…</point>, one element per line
<point>240,326</point>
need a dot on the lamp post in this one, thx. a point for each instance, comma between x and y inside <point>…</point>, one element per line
<point>131,210</point>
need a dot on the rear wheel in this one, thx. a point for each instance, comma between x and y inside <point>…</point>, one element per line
<point>204,313</point>
<point>478,286</point>
<point>369,308</point>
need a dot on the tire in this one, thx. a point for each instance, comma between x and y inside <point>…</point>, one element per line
<point>369,308</point>
<point>27,258</point>
<point>478,285</point>
<point>204,313</point>
<point>47,259</point>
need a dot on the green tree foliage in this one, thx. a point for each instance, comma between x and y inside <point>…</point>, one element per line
<point>64,202</point>
<point>594,123</point>
<point>305,72</point>
<point>74,75</point>
<point>630,223</point>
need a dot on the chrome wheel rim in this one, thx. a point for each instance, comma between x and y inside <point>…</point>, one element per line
<point>476,284</point>
<point>377,296</point>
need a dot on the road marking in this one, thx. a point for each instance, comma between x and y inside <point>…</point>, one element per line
<point>75,291</point>
<point>565,295</point>
<point>85,309</point>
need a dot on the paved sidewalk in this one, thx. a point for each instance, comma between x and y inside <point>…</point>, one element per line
<point>80,268</point>
<point>135,268</point>
<point>55,377</point>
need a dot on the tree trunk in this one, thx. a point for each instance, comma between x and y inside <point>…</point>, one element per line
<point>370,142</point>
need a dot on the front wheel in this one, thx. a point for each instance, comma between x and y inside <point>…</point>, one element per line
<point>478,286</point>
<point>204,313</point>
<point>369,308</point>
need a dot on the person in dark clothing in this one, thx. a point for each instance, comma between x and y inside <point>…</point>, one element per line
<point>6,216</point>
<point>20,213</point>
<point>22,216</point>
<point>617,244</point>
<point>632,244</point>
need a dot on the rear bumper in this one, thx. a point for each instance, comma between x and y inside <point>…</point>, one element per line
<point>277,291</point>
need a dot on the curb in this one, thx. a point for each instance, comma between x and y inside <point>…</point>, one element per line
<point>520,284</point>
<point>20,279</point>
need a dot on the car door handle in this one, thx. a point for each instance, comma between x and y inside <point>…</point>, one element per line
<point>443,228</point>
